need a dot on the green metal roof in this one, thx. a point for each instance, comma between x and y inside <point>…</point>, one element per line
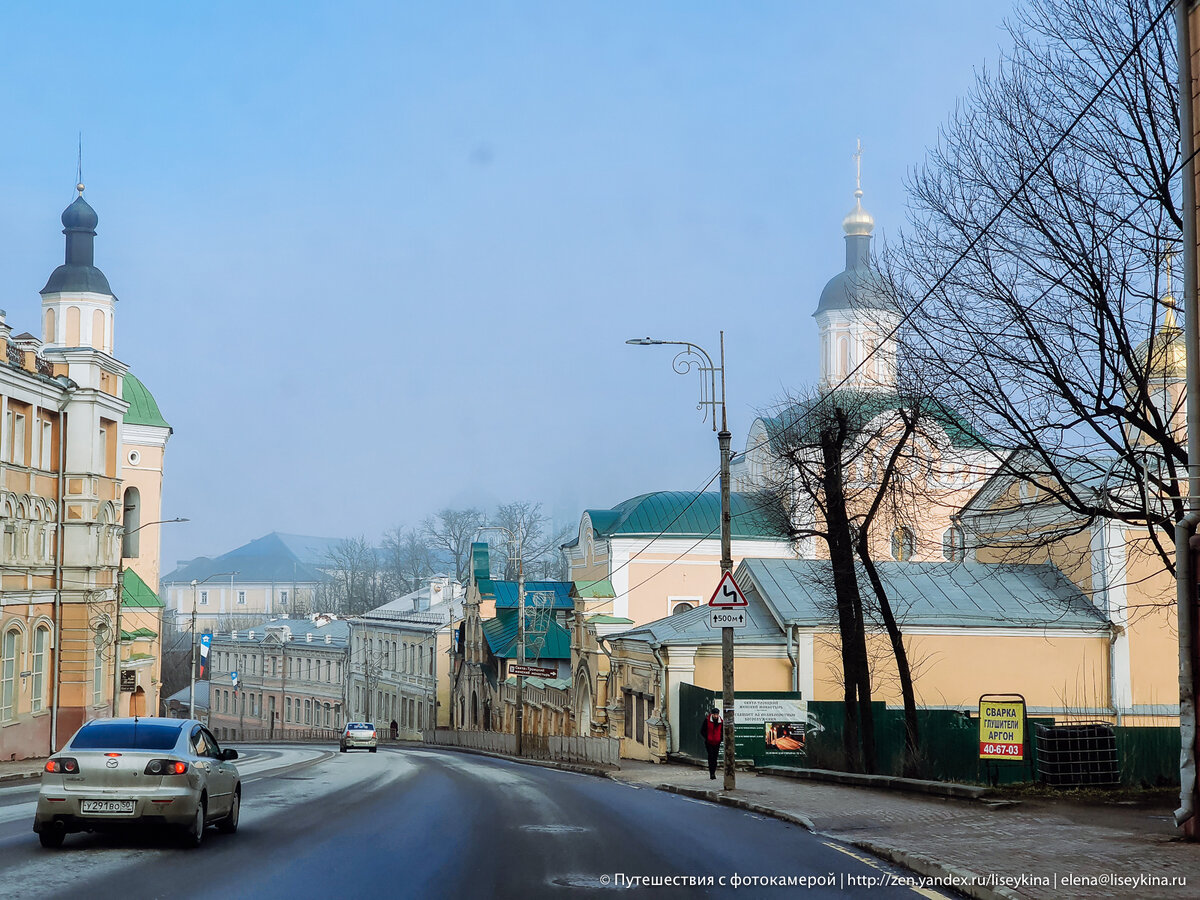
<point>137,633</point>
<point>689,514</point>
<point>594,590</point>
<point>608,620</point>
<point>560,683</point>
<point>501,635</point>
<point>505,593</point>
<point>142,408</point>
<point>136,593</point>
<point>481,566</point>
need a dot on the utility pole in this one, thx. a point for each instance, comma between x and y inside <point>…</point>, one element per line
<point>192,679</point>
<point>520,651</point>
<point>1187,22</point>
<point>694,356</point>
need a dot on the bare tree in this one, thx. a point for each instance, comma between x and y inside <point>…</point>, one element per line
<point>1050,329</point>
<point>406,560</point>
<point>355,584</point>
<point>450,532</point>
<point>539,540</point>
<point>854,470</point>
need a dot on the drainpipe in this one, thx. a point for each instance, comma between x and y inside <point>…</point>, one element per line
<point>1185,575</point>
<point>1114,632</point>
<point>791,630</point>
<point>662,694</point>
<point>69,387</point>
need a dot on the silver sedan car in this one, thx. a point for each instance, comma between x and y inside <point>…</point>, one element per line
<point>139,771</point>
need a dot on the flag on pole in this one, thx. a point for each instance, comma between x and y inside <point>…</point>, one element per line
<point>205,643</point>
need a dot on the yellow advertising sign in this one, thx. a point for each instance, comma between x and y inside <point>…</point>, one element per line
<point>1001,729</point>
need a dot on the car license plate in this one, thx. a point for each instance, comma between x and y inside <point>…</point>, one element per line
<point>107,807</point>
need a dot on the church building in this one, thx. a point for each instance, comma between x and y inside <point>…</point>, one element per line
<point>81,466</point>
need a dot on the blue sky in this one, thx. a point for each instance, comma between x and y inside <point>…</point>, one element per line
<point>377,258</point>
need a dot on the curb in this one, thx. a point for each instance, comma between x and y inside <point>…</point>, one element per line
<point>881,782</point>
<point>543,763</point>
<point>931,868</point>
<point>914,862</point>
<point>738,803</point>
<point>21,776</point>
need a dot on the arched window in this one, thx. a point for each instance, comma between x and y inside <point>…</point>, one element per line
<point>132,521</point>
<point>681,608</point>
<point>404,656</point>
<point>72,326</point>
<point>10,647</point>
<point>307,712</point>
<point>843,357</point>
<point>953,544</point>
<point>902,544</point>
<point>328,715</point>
<point>98,340</point>
<point>387,654</point>
<point>41,643</point>
<point>50,336</point>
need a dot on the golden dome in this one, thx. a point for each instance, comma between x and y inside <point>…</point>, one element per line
<point>1164,354</point>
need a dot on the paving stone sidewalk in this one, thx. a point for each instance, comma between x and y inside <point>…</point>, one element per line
<point>1035,838</point>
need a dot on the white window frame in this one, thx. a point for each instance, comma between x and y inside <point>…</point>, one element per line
<point>47,445</point>
<point>204,598</point>
<point>38,667</point>
<point>9,661</point>
<point>241,598</point>
<point>673,599</point>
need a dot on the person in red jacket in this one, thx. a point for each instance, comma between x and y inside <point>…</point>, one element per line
<point>712,730</point>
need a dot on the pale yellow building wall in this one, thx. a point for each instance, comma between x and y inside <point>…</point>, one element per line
<point>749,674</point>
<point>955,669</point>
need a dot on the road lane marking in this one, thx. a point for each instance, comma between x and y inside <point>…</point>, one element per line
<point>874,864</point>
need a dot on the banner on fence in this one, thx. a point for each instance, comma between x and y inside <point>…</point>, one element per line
<point>1001,728</point>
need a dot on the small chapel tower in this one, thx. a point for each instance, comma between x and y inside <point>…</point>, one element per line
<point>77,303</point>
<point>858,343</point>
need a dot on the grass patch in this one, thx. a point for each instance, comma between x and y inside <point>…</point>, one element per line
<point>1117,795</point>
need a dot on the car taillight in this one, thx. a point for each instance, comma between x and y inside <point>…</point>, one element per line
<point>166,767</point>
<point>62,764</point>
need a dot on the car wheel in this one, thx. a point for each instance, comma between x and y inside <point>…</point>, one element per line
<point>343,749</point>
<point>228,825</point>
<point>52,836</point>
<point>193,834</point>
<point>372,749</point>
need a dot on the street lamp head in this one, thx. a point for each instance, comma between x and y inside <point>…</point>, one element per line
<point>644,342</point>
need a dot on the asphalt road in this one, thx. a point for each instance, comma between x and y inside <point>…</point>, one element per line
<point>431,824</point>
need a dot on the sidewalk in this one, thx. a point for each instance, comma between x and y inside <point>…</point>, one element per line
<point>20,770</point>
<point>935,836</point>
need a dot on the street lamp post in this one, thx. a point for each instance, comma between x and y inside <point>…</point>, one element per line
<point>117,631</point>
<point>695,357</point>
<point>192,680</point>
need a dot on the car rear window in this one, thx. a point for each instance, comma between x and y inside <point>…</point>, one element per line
<point>358,726</point>
<point>126,736</point>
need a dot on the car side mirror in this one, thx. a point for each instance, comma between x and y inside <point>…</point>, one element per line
<point>229,754</point>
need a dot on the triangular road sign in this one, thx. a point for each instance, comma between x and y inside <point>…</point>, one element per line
<point>728,593</point>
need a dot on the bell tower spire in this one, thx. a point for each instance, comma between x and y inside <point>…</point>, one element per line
<point>77,303</point>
